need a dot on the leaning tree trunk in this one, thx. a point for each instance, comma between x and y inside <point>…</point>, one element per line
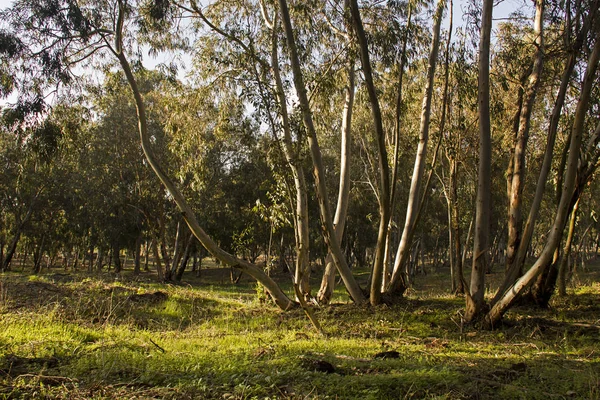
<point>387,273</point>
<point>384,169</point>
<point>318,169</point>
<point>399,276</point>
<point>186,257</point>
<point>564,263</point>
<point>10,251</point>
<point>475,297</point>
<point>545,285</point>
<point>517,179</point>
<point>279,297</point>
<point>301,222</point>
<point>527,234</point>
<point>339,220</point>
<point>513,292</point>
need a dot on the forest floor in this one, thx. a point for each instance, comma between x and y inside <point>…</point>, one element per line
<point>79,336</point>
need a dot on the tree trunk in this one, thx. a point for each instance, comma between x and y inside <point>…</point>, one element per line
<point>302,273</point>
<point>178,249</point>
<point>279,297</point>
<point>318,170</point>
<point>458,285</point>
<point>159,269</point>
<point>138,254</point>
<point>569,184</point>
<point>339,220</point>
<point>475,297</point>
<point>38,255</point>
<point>17,236</point>
<point>76,260</point>
<point>562,270</point>
<point>384,169</point>
<point>100,259</point>
<point>387,273</point>
<point>399,273</point>
<point>185,259</point>
<point>147,255</point>
<point>515,223</point>
<point>116,254</point>
<point>110,259</point>
<point>544,285</point>
<point>10,251</point>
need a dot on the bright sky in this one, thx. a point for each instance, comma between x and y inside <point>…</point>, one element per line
<point>501,11</point>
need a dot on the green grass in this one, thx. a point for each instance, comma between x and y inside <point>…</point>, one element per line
<point>95,338</point>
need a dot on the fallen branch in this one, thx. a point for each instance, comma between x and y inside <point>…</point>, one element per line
<point>157,346</point>
<point>309,312</point>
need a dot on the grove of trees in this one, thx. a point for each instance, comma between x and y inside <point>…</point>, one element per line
<point>313,136</point>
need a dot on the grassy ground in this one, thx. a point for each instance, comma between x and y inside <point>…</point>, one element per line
<point>73,336</point>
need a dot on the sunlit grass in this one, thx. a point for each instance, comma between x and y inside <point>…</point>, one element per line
<point>100,338</point>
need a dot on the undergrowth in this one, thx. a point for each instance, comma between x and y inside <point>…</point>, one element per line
<point>95,338</point>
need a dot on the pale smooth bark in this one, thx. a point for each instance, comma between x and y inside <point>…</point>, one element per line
<point>398,280</point>
<point>397,129</point>
<point>318,170</point>
<point>475,297</point>
<point>339,220</point>
<point>512,293</point>
<point>278,296</point>
<point>302,272</point>
<point>384,169</point>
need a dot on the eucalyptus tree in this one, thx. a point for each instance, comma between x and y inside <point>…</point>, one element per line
<point>568,189</point>
<point>341,212</point>
<point>315,151</point>
<point>511,289</point>
<point>573,40</point>
<point>475,297</point>
<point>555,272</point>
<point>250,50</point>
<point>517,170</point>
<point>28,152</point>
<point>398,279</point>
<point>64,33</point>
<point>384,170</point>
